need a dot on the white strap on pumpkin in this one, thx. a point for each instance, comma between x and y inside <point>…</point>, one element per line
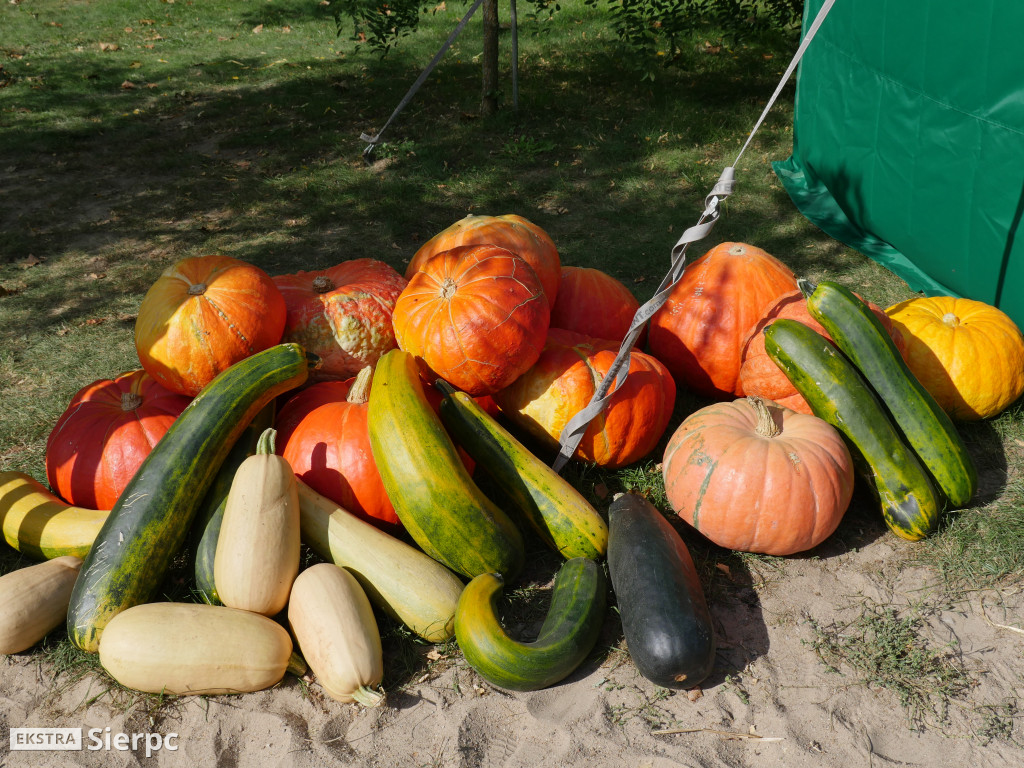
<point>572,433</point>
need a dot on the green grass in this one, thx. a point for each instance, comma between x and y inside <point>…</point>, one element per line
<point>138,133</point>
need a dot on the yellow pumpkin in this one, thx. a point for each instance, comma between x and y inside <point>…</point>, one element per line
<point>967,354</point>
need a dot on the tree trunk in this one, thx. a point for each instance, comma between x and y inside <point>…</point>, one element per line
<point>489,101</point>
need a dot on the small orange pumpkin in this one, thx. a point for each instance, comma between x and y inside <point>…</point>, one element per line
<point>519,235</point>
<point>595,304</point>
<point>699,332</point>
<point>475,315</point>
<point>968,354</point>
<point>342,314</point>
<point>761,377</point>
<point>203,315</point>
<point>753,476</point>
<point>562,382</point>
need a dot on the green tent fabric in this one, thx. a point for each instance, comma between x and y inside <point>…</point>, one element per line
<point>909,141</point>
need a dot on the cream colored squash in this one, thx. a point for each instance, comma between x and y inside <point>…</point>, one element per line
<point>34,601</point>
<point>258,549</point>
<point>400,579</point>
<point>333,623</point>
<point>193,648</point>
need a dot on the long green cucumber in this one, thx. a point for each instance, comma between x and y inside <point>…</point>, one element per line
<point>554,509</point>
<point>151,519</point>
<point>570,629</point>
<point>206,527</point>
<point>434,496</point>
<point>860,336</point>
<point>837,393</point>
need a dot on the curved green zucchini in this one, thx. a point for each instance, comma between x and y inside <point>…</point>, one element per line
<point>151,519</point>
<point>434,496</point>
<point>837,393</point>
<point>558,512</point>
<point>927,428</point>
<point>665,617</point>
<point>568,634</point>
<point>206,528</point>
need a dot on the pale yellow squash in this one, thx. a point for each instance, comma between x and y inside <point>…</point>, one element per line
<point>258,548</point>
<point>333,623</point>
<point>34,601</point>
<point>194,648</point>
<point>402,580</point>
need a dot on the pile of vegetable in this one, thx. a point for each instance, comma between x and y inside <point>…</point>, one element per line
<point>353,410</point>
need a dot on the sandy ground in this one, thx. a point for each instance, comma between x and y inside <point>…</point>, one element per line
<point>770,701</point>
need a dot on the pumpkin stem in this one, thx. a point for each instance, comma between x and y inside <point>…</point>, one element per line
<point>766,426</point>
<point>368,697</point>
<point>951,320</point>
<point>323,284</point>
<point>806,287</point>
<point>359,392</point>
<point>130,401</point>
<point>265,445</point>
<point>448,288</point>
<point>197,289</point>
<point>297,665</point>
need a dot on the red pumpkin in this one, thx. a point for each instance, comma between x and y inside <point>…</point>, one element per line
<point>595,304</point>
<point>322,433</point>
<point>699,332</point>
<point>510,231</point>
<point>342,314</point>
<point>107,431</point>
<point>564,379</point>
<point>202,316</point>
<point>761,377</point>
<point>757,477</point>
<point>475,315</point>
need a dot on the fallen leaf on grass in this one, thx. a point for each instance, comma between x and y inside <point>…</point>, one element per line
<point>109,47</point>
<point>257,29</point>
<point>95,276</point>
<point>125,317</point>
<point>29,261</point>
<point>127,85</point>
<point>724,569</point>
<point>95,321</point>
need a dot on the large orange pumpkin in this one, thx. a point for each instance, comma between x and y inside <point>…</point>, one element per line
<point>595,304</point>
<point>322,433</point>
<point>519,235</point>
<point>562,382</point>
<point>342,314</point>
<point>103,436</point>
<point>757,477</point>
<point>968,354</point>
<point>761,377</point>
<point>203,315</point>
<point>475,315</point>
<point>699,332</point>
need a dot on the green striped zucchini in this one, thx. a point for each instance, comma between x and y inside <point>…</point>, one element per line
<point>568,634</point>
<point>837,393</point>
<point>554,509</point>
<point>860,336</point>
<point>151,519</point>
<point>434,496</point>
<point>206,528</point>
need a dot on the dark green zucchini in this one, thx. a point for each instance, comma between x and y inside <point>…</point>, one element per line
<point>837,393</point>
<point>206,527</point>
<point>554,509</point>
<point>151,519</point>
<point>859,335</point>
<point>434,496</point>
<point>665,617</point>
<point>568,634</point>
